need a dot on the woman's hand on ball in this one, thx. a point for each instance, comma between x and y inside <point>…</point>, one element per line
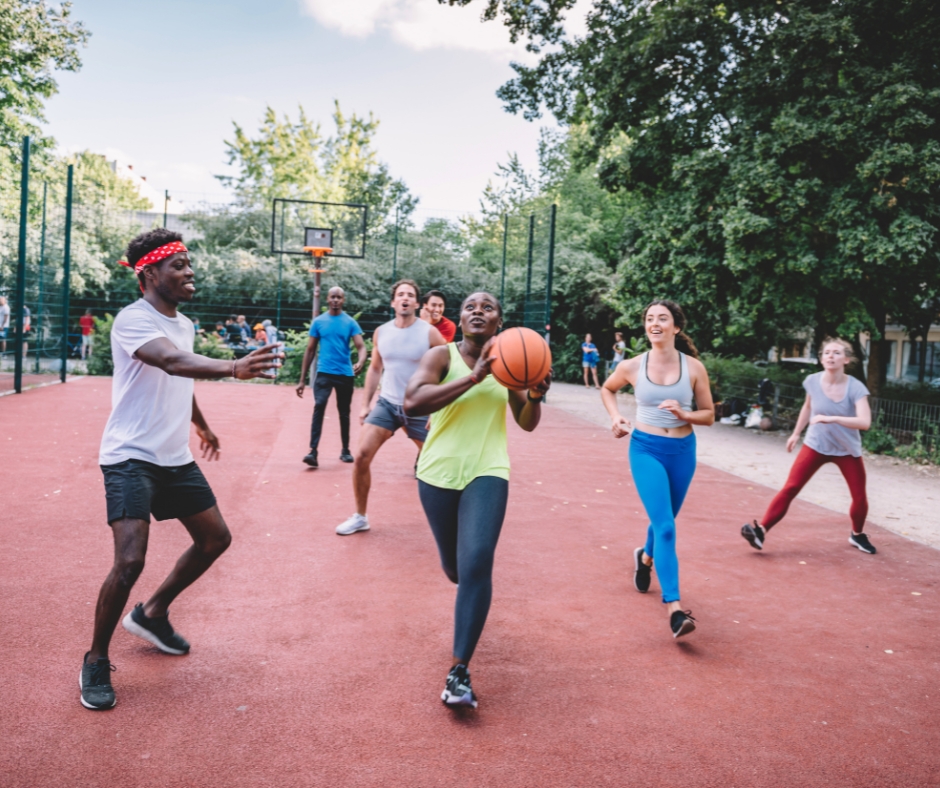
<point>542,388</point>
<point>482,368</point>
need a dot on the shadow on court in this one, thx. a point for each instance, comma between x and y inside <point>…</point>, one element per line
<point>319,659</point>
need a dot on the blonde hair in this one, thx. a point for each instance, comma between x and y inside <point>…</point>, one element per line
<point>846,346</point>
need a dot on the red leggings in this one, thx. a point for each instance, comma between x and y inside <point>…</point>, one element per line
<point>805,466</point>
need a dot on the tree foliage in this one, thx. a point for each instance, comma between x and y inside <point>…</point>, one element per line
<point>783,155</point>
<point>294,160</point>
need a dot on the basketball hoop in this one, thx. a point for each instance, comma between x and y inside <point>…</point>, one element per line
<point>319,252</point>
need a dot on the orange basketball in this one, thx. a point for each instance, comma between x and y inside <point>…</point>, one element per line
<point>523,359</point>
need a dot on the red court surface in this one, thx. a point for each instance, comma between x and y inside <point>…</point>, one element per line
<point>318,660</point>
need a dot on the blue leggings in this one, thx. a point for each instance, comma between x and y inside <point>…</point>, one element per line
<point>662,471</point>
<point>466,525</point>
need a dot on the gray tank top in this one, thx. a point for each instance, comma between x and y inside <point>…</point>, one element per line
<point>401,350</point>
<point>649,395</point>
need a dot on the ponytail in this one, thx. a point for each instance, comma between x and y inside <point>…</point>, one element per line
<point>686,345</point>
<point>683,343</point>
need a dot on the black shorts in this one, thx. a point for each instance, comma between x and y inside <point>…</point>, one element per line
<point>137,489</point>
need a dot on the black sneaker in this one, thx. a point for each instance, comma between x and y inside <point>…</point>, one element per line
<point>95,683</point>
<point>755,535</point>
<point>861,542</point>
<point>311,459</point>
<point>641,572</point>
<point>344,457</point>
<point>155,630</point>
<point>457,690</point>
<point>681,623</point>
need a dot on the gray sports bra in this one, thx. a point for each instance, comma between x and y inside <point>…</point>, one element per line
<point>649,395</point>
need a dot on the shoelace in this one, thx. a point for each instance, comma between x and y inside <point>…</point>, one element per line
<point>100,671</point>
<point>688,614</point>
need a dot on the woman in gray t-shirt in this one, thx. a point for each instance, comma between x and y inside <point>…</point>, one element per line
<point>836,409</point>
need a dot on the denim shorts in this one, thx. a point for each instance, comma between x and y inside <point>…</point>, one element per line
<point>390,416</point>
<point>137,489</point>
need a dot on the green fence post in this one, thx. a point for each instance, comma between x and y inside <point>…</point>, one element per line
<point>528,273</point>
<point>395,250</point>
<point>551,267</point>
<point>166,199</point>
<point>42,260</point>
<point>66,273</point>
<point>21,272</point>
<point>502,281</point>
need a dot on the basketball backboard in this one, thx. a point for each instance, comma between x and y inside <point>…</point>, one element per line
<point>296,224</point>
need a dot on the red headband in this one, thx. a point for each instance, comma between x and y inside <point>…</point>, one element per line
<point>161,253</point>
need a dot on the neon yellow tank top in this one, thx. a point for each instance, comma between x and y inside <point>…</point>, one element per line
<point>467,437</point>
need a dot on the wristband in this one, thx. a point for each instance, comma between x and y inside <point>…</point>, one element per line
<point>234,362</point>
<point>528,396</point>
<point>474,381</point>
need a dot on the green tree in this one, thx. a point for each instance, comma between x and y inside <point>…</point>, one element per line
<point>295,160</point>
<point>784,153</point>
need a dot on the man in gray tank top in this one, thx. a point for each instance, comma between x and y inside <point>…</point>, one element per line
<point>397,348</point>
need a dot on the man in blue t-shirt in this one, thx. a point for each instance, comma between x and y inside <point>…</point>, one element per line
<point>332,332</point>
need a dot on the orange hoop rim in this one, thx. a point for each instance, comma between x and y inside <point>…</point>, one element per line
<point>318,251</point>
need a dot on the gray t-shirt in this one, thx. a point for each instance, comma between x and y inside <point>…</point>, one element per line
<point>834,439</point>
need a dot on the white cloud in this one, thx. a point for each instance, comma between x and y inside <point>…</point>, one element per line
<point>417,24</point>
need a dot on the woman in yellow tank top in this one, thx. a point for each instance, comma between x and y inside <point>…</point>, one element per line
<point>463,471</point>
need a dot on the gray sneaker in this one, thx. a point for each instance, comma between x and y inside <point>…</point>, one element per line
<point>94,681</point>
<point>358,522</point>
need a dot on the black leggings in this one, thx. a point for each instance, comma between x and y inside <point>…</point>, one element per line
<point>466,524</point>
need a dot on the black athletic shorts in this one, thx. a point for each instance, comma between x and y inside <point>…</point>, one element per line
<point>137,489</point>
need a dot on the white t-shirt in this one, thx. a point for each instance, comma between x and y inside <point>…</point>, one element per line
<point>150,410</point>
<point>4,316</point>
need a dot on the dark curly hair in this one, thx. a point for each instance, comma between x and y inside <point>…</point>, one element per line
<point>683,342</point>
<point>146,243</point>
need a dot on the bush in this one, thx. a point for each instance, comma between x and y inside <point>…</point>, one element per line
<point>210,346</point>
<point>877,440</point>
<point>100,361</point>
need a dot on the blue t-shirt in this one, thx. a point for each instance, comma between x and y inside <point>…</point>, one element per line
<point>334,333</point>
<point>588,352</point>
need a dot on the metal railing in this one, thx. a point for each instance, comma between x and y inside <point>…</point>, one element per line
<point>902,420</point>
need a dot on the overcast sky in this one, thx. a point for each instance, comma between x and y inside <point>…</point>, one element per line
<point>162,82</point>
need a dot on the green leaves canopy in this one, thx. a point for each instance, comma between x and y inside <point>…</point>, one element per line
<point>783,155</point>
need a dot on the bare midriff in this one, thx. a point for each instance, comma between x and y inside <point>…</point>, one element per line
<point>666,432</point>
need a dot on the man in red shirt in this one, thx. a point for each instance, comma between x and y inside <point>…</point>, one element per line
<point>432,311</point>
<point>87,322</point>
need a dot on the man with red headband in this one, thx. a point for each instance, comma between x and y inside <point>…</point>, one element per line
<point>145,458</point>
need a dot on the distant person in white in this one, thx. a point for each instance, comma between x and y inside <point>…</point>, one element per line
<point>4,323</point>
<point>397,349</point>
<point>145,457</point>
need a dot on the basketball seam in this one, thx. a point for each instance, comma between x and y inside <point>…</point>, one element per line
<point>505,365</point>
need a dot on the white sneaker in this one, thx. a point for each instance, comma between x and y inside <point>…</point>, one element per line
<point>358,522</point>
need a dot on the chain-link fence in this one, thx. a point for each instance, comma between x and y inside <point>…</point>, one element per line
<point>237,276</point>
<point>34,289</point>
<point>905,422</point>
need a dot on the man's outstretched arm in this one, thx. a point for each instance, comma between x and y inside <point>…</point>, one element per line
<point>163,354</point>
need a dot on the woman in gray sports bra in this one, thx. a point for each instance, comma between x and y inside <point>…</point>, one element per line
<point>666,380</point>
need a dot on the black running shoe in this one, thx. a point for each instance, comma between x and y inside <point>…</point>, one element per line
<point>641,572</point>
<point>95,683</point>
<point>311,459</point>
<point>681,623</point>
<point>457,689</point>
<point>155,630</point>
<point>755,535</point>
<point>861,542</point>
<point>344,457</point>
